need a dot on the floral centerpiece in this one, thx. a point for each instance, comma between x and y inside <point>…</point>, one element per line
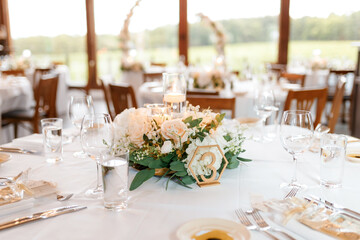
<point>208,79</point>
<point>160,145</point>
<point>127,61</point>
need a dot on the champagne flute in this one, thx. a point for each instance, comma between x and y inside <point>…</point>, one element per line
<point>97,139</point>
<point>296,134</point>
<point>264,106</point>
<point>80,106</point>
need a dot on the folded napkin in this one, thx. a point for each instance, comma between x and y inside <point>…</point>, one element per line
<point>33,142</point>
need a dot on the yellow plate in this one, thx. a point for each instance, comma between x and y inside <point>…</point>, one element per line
<point>4,157</point>
<point>236,230</point>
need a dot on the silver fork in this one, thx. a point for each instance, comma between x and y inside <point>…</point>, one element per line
<point>292,193</point>
<point>245,221</point>
<point>265,226</point>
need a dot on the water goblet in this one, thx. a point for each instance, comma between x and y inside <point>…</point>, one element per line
<point>264,105</point>
<point>296,134</point>
<point>80,106</point>
<point>97,139</point>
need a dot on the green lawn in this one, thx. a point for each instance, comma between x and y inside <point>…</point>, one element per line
<point>238,56</point>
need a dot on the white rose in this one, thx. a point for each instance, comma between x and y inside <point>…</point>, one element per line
<point>166,147</point>
<point>176,130</point>
<point>204,79</point>
<point>138,125</point>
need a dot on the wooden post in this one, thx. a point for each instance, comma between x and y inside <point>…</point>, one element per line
<point>4,20</point>
<point>91,46</point>
<point>183,30</point>
<point>284,31</point>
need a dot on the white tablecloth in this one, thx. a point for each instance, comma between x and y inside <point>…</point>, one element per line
<point>156,213</point>
<point>15,93</point>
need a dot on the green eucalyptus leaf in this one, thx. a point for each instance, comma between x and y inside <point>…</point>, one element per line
<point>141,177</point>
<point>146,161</point>
<point>168,157</point>
<point>157,164</point>
<point>188,119</point>
<point>188,180</point>
<point>195,122</point>
<point>181,173</point>
<point>244,159</point>
<point>177,166</point>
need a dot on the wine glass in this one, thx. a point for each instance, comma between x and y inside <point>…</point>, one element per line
<point>97,139</point>
<point>80,106</point>
<point>264,106</point>
<point>296,134</point>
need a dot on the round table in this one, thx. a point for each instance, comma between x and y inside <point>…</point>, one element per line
<point>156,213</point>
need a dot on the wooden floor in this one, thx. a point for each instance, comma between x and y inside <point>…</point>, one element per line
<point>100,106</point>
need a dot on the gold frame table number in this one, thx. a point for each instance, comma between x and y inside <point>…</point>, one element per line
<point>203,181</point>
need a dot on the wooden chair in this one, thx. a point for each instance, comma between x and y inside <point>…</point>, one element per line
<point>202,92</point>
<point>13,72</point>
<point>294,78</point>
<point>106,90</point>
<point>276,68</point>
<point>305,99</point>
<point>157,64</point>
<point>45,97</point>
<point>336,105</point>
<point>348,94</point>
<point>215,103</point>
<point>38,73</point>
<point>152,77</point>
<point>122,97</point>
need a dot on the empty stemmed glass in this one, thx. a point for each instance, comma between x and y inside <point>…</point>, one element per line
<point>79,107</point>
<point>264,106</point>
<point>296,134</point>
<point>97,139</point>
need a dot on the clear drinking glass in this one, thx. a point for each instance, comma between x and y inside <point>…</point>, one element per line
<point>79,107</point>
<point>296,134</point>
<point>264,106</point>
<point>97,139</point>
<point>115,175</point>
<point>332,159</point>
<point>52,138</point>
<point>174,85</point>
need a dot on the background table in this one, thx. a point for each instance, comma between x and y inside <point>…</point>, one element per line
<point>156,213</point>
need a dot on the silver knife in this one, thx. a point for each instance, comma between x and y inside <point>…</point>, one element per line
<point>41,215</point>
<point>17,150</point>
<point>318,200</point>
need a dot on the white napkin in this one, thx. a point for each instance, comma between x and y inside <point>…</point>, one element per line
<point>33,142</point>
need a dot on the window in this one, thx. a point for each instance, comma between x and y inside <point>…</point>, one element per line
<point>52,31</point>
<point>322,33</point>
<point>153,32</point>
<point>251,32</point>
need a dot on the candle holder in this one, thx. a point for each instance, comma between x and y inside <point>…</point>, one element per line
<point>174,92</point>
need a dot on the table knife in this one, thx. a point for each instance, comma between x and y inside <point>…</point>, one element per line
<point>17,150</point>
<point>41,215</point>
<point>345,211</point>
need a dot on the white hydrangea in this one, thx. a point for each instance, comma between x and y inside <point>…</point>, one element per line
<point>200,167</point>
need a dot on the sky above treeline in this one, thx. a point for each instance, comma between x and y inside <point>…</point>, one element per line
<point>69,17</point>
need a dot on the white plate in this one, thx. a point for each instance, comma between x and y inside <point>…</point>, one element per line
<point>353,148</point>
<point>235,230</point>
<point>4,157</point>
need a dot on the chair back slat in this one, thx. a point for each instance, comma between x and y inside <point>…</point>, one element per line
<point>122,97</point>
<point>305,99</point>
<point>294,78</point>
<point>215,103</point>
<point>336,104</point>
